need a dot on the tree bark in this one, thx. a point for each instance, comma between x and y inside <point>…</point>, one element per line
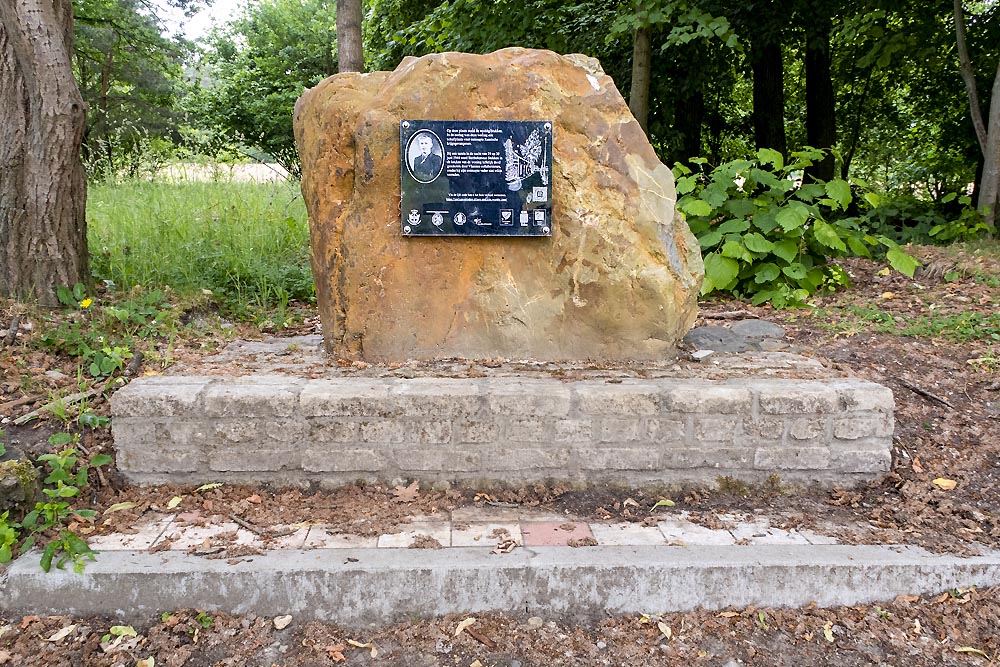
<point>768,96</point>
<point>821,103</point>
<point>989,191</point>
<point>969,76</point>
<point>43,191</point>
<point>642,65</point>
<point>349,53</point>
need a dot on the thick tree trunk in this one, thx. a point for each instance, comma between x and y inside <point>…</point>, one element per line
<point>821,103</point>
<point>768,96</point>
<point>349,54</point>
<point>642,65</point>
<point>989,190</point>
<point>43,191</point>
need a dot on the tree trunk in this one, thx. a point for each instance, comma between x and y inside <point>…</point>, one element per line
<point>821,103</point>
<point>768,96</point>
<point>968,75</point>
<point>349,53</point>
<point>43,191</point>
<point>642,65</point>
<point>989,191</point>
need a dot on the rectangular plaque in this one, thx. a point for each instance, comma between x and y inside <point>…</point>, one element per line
<point>476,178</point>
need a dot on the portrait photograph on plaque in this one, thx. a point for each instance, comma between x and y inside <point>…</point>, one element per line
<point>476,178</point>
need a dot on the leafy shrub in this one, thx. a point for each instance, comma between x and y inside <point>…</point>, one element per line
<point>907,219</point>
<point>767,235</point>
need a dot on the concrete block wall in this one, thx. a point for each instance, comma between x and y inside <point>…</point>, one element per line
<point>288,430</point>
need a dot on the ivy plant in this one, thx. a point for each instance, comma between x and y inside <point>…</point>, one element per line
<point>766,235</point>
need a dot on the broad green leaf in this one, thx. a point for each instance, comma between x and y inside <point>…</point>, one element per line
<point>731,226</point>
<point>100,460</point>
<point>697,207</point>
<point>710,239</point>
<point>757,243</point>
<point>786,249</point>
<point>795,271</point>
<point>735,250</point>
<point>772,157</point>
<point>764,221</point>
<point>722,271</point>
<point>716,194</point>
<point>902,262</point>
<point>809,192</point>
<point>827,235</point>
<point>858,247</point>
<point>766,273</point>
<point>872,198</point>
<point>686,184</point>
<point>740,208</point>
<point>792,215</point>
<point>59,439</point>
<point>839,190</point>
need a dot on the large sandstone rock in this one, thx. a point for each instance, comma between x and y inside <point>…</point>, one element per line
<point>618,279</point>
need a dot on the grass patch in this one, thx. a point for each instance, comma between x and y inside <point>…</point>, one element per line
<point>246,242</point>
<point>956,326</point>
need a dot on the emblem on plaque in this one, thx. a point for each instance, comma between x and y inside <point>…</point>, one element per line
<point>437,219</point>
<point>525,160</point>
<point>460,218</point>
<point>414,217</point>
<point>506,217</point>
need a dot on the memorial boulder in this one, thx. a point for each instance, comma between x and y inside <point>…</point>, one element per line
<point>609,270</point>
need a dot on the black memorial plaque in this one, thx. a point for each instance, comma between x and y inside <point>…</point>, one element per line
<point>476,178</point>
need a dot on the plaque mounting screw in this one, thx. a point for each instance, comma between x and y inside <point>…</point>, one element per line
<point>406,229</point>
<point>545,230</point>
<point>406,123</point>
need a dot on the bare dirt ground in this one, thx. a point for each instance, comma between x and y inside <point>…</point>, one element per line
<point>941,493</point>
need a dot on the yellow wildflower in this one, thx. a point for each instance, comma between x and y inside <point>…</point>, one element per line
<point>86,302</point>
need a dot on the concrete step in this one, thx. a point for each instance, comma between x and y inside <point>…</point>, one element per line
<point>290,430</point>
<point>361,586</point>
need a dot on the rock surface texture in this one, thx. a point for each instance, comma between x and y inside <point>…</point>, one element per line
<point>618,279</point>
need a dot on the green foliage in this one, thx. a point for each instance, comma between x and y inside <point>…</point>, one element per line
<point>68,476</point>
<point>247,243</point>
<point>766,235</point>
<point>907,219</point>
<point>129,74</point>
<point>256,67</point>
<point>103,336</point>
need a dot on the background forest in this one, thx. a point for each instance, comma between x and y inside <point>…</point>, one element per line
<point>851,120</point>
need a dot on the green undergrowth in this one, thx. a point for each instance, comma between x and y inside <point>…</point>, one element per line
<point>956,327</point>
<point>245,243</point>
<point>49,525</point>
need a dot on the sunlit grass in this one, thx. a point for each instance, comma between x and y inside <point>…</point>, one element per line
<point>246,242</point>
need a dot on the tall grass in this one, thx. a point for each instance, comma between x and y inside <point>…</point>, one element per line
<point>246,242</point>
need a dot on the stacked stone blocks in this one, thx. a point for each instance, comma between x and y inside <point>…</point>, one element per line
<point>289,430</point>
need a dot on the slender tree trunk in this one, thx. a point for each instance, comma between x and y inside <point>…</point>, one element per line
<point>43,191</point>
<point>349,54</point>
<point>768,96</point>
<point>821,103</point>
<point>642,65</point>
<point>968,75</point>
<point>989,190</point>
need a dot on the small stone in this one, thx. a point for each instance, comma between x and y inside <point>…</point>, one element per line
<point>535,622</point>
<point>443,485</point>
<point>698,355</point>
<point>601,645</point>
<point>281,622</point>
<point>58,376</point>
<point>719,339</point>
<point>758,329</point>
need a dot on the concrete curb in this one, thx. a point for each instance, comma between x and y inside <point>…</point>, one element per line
<point>360,586</point>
